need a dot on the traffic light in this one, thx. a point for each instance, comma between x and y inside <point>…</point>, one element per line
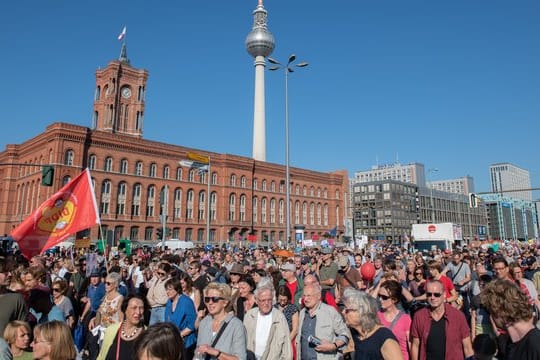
<point>47,175</point>
<point>159,233</point>
<point>472,200</point>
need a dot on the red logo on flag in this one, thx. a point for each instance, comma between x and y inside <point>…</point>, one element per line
<point>432,228</point>
<point>73,208</point>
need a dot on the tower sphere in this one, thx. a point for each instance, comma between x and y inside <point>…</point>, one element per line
<point>260,42</point>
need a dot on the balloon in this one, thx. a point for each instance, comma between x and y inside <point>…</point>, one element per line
<point>367,270</point>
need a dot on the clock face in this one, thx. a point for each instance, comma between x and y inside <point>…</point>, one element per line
<point>126,92</point>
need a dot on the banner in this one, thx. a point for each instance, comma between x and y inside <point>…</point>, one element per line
<point>73,208</point>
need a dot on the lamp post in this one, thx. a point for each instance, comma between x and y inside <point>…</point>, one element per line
<point>288,69</point>
<point>431,194</point>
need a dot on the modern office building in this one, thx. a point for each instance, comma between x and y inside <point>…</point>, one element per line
<point>506,177</point>
<point>384,208</point>
<point>510,218</point>
<point>464,185</point>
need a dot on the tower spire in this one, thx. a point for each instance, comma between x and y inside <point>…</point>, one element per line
<point>123,54</point>
<point>259,44</point>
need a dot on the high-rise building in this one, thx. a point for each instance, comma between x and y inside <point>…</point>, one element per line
<point>409,173</point>
<point>506,177</point>
<point>464,185</point>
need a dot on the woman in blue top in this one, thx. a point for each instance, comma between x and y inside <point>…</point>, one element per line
<point>180,311</point>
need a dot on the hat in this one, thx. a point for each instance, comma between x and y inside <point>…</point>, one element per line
<point>237,269</point>
<point>349,250</point>
<point>343,261</point>
<point>326,250</point>
<point>206,263</point>
<point>305,260</point>
<point>95,273</point>
<point>288,267</point>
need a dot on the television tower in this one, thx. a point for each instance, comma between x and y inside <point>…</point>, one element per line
<point>259,44</point>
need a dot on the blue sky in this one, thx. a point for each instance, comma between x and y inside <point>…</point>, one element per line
<point>454,85</point>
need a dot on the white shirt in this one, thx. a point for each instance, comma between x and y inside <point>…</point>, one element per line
<point>264,322</point>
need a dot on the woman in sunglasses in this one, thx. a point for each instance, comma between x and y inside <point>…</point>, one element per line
<point>59,289</point>
<point>221,335</point>
<point>108,313</point>
<point>392,317</point>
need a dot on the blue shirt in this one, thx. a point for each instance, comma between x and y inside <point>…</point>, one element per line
<point>183,316</point>
<point>96,294</point>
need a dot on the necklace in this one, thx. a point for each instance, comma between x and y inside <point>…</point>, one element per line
<point>125,335</point>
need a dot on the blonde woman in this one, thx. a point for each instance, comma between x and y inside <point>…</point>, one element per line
<point>53,341</point>
<point>18,334</point>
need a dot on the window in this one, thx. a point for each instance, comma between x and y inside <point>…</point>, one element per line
<point>254,211</point>
<point>272,211</point>
<point>297,212</point>
<point>68,157</point>
<point>124,166</point>
<point>166,171</point>
<point>325,193</point>
<point>281,211</point>
<point>273,186</point>
<point>153,170</point>
<point>312,191</point>
<point>105,197</point>
<point>139,168</point>
<point>263,210</point>
<point>304,213</point>
<point>337,194</point>
<point>121,199</point>
<point>200,235</point>
<point>92,162</point>
<point>232,207</point>
<point>134,233</point>
<point>243,181</point>
<point>264,185</point>
<point>214,178</point>
<point>233,180</point>
<point>304,190</point>
<point>150,200</point>
<point>312,214</point>
<point>178,173</point>
<point>254,184</point>
<point>136,200</point>
<point>297,189</point>
<point>202,204</point>
<point>325,215</point>
<point>319,215</point>
<point>243,199</point>
<point>189,233</point>
<point>108,164</point>
<point>213,201</point>
<point>191,175</point>
<point>177,206</point>
<point>148,232</point>
<point>66,179</point>
<point>189,204</point>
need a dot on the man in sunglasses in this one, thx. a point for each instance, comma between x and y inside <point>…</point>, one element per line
<point>440,331</point>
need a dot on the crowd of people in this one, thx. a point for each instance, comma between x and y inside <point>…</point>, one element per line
<point>315,303</point>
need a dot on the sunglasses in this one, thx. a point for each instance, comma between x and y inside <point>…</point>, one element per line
<point>108,283</point>
<point>430,294</point>
<point>56,289</point>
<point>213,299</point>
<point>160,273</point>
<point>384,297</point>
<point>418,273</point>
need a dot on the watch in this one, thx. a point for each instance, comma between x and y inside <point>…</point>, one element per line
<point>126,92</point>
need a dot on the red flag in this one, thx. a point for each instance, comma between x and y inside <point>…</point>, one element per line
<point>73,208</point>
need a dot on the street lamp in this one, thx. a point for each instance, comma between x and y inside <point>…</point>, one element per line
<point>288,69</point>
<point>432,170</point>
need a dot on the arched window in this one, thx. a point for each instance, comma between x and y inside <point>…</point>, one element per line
<point>92,162</point>
<point>304,190</point>
<point>243,199</point>
<point>213,204</point>
<point>66,179</point>
<point>312,214</point>
<point>104,206</point>
<point>139,168</point>
<point>123,166</point>
<point>150,200</point>
<point>178,173</point>
<point>136,200</point>
<point>319,214</point>
<point>108,164</point>
<point>337,194</point>
<point>68,157</point>
<point>304,213</point>
<point>191,175</point>
<point>297,189</point>
<point>232,207</point>
<point>153,169</point>
<point>255,210</point>
<point>264,185</point>
<point>243,181</point>
<point>281,211</point>
<point>189,204</point>
<point>214,178</point>
<point>272,211</point>
<point>121,199</point>
<point>263,210</point>
<point>166,170</point>
<point>325,215</point>
<point>297,212</point>
<point>202,203</point>
<point>233,180</point>
<point>177,206</point>
<point>273,186</point>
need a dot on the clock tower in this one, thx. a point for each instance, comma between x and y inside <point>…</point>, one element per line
<point>120,97</point>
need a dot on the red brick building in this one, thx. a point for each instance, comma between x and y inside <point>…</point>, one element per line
<point>129,173</point>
